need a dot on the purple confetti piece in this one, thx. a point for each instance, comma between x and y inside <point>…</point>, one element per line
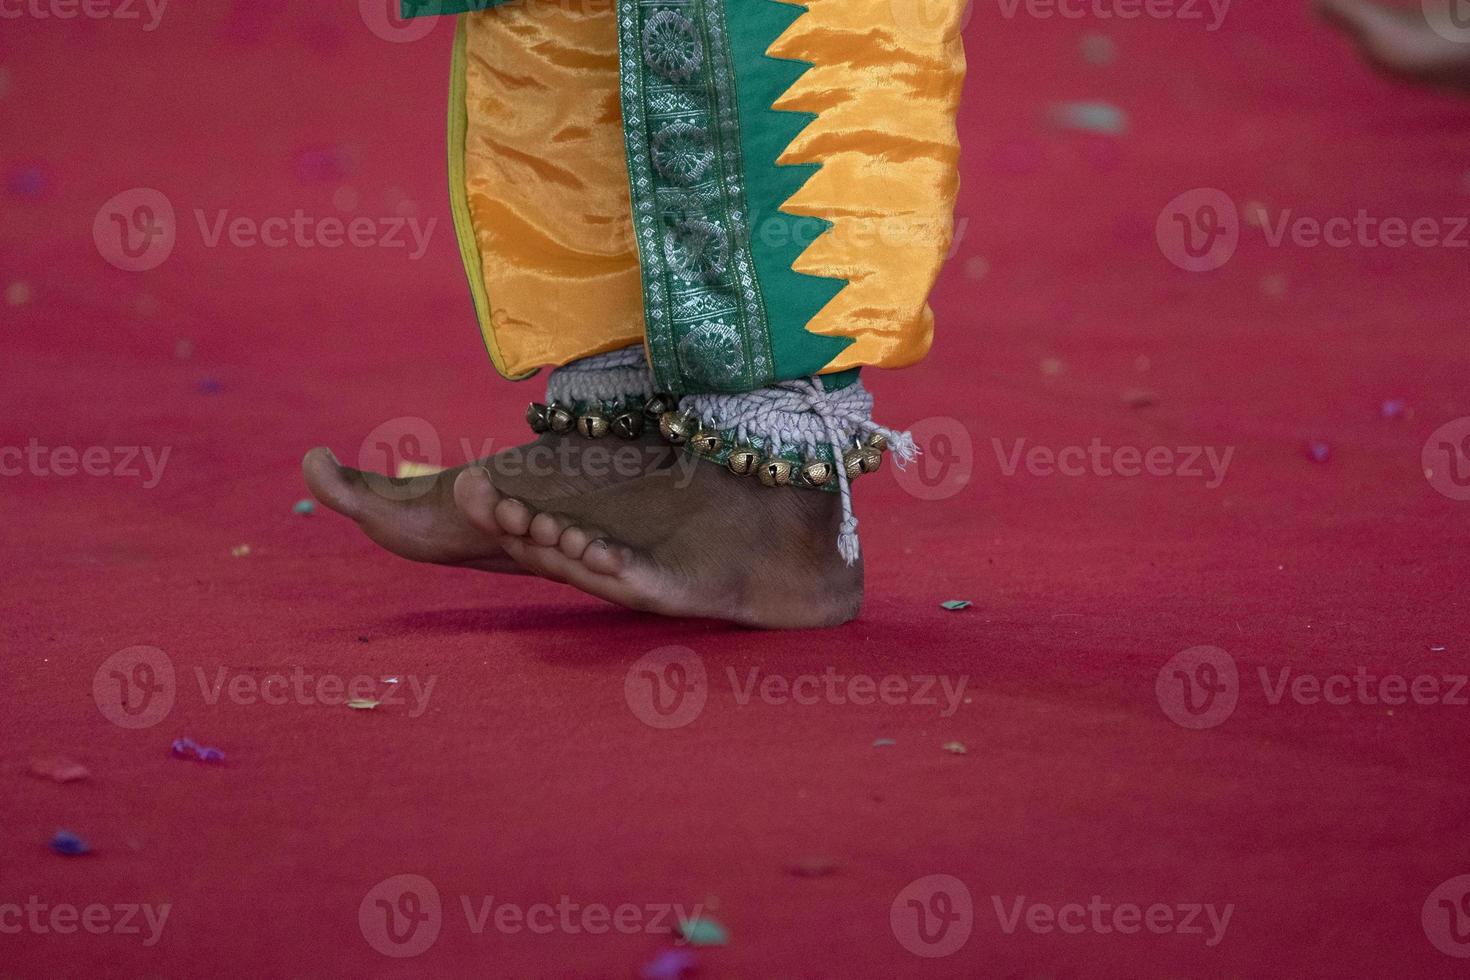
<point>1318,452</point>
<point>210,386</point>
<point>321,165</point>
<point>69,844</point>
<point>28,182</point>
<point>671,964</point>
<point>1393,408</point>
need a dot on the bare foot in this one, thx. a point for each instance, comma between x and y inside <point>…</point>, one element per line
<point>417,518</point>
<point>1404,44</point>
<point>681,542</point>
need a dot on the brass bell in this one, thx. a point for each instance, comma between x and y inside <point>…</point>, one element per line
<point>561,419</point>
<point>538,417</point>
<point>816,472</point>
<point>743,460</point>
<point>878,441</point>
<point>628,425</point>
<point>852,463</point>
<point>676,428</point>
<point>870,458</point>
<point>593,426</point>
<point>656,406</point>
<point>706,441</point>
<point>775,472</point>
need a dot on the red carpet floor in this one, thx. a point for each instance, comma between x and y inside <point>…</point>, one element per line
<point>526,777</point>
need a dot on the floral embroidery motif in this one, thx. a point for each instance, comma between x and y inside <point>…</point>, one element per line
<point>671,45</point>
<point>682,152</point>
<point>710,354</point>
<point>697,250</point>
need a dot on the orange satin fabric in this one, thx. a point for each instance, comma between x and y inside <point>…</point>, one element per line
<point>547,179</point>
<point>547,182</point>
<point>886,85</point>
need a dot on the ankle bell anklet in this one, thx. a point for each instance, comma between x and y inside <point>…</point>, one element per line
<point>794,433</point>
<point>598,395</point>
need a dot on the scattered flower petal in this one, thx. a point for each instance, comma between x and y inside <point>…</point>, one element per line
<point>813,866</point>
<point>955,748</point>
<point>1090,117</point>
<point>187,748</point>
<point>954,605</point>
<point>304,507</point>
<point>670,964</point>
<point>407,468</point>
<point>1138,398</point>
<point>363,704</point>
<point>704,931</point>
<point>883,743</point>
<point>59,769</point>
<point>17,293</point>
<point>1098,49</point>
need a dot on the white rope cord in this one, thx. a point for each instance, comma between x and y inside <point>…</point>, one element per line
<point>801,415</point>
<point>610,377</point>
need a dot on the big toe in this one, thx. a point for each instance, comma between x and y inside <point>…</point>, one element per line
<point>336,486</point>
<point>475,496</point>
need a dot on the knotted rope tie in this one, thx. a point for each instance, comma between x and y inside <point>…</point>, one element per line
<point>610,377</point>
<point>803,415</point>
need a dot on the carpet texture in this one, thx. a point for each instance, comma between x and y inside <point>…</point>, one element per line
<point>527,774</point>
